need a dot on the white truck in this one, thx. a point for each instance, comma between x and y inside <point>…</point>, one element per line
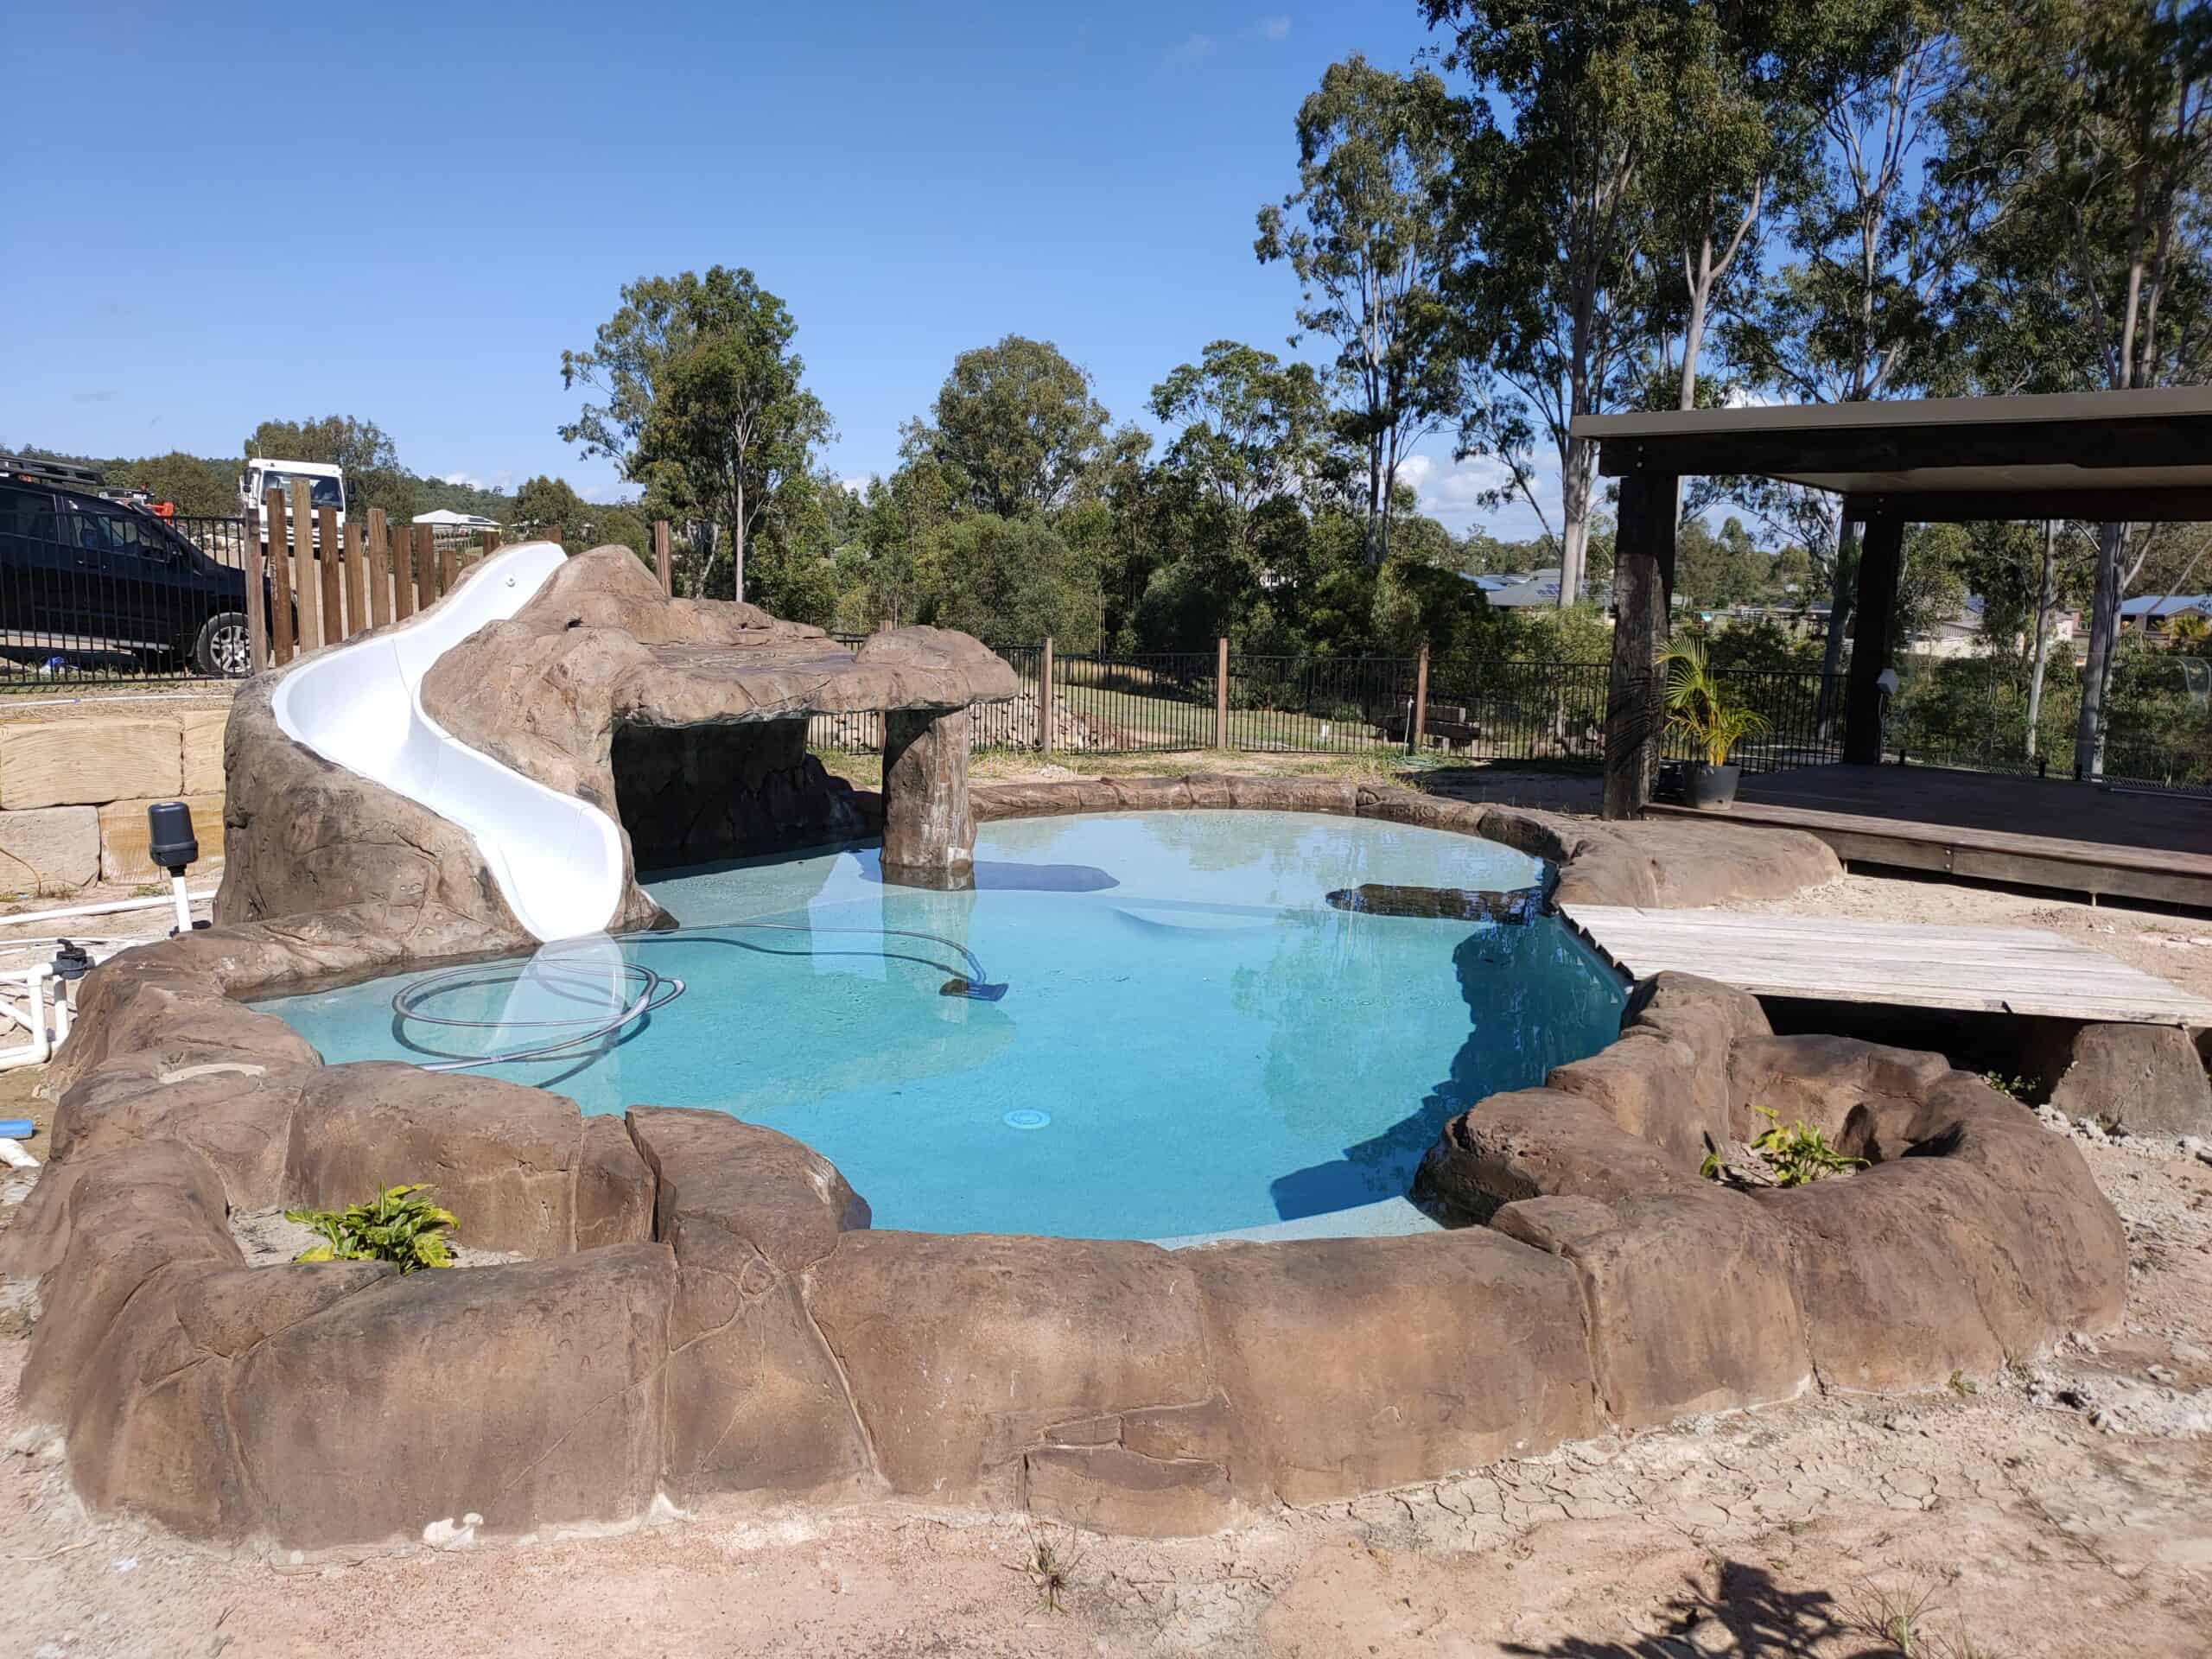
<point>325,488</point>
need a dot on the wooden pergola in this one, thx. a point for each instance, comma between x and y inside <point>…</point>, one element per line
<point>2106,457</point>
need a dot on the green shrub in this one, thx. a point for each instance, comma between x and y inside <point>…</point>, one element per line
<point>1797,1154</point>
<point>401,1226</point>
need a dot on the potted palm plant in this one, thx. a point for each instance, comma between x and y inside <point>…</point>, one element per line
<point>1704,710</point>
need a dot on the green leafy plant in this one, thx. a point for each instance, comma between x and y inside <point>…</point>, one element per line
<point>400,1225</point>
<point>1701,707</point>
<point>1796,1154</point>
<point>2018,1088</point>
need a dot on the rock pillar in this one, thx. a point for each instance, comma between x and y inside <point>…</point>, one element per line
<point>929,828</point>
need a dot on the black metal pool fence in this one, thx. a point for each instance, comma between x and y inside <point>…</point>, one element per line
<point>1963,711</point>
<point>105,593</point>
<point>1165,701</point>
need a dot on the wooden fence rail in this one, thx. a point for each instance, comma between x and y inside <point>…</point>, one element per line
<point>305,592</point>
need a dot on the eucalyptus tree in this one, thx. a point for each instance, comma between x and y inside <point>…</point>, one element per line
<point>1556,249</point>
<point>1014,426</point>
<point>2089,124</point>
<point>1250,426</point>
<point>1367,233</point>
<point>1855,305</point>
<point>703,403</point>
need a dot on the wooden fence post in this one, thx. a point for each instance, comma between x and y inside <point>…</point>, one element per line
<point>403,574</point>
<point>327,573</point>
<point>448,568</point>
<point>257,597</point>
<point>357,583</point>
<point>661,562</point>
<point>307,583</point>
<point>1419,729</point>
<point>379,568</point>
<point>279,530</point>
<point>427,591</point>
<point>1221,695</point>
<point>487,541</point>
<point>1044,699</point>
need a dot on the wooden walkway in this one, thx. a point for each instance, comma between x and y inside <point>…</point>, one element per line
<point>1910,964</point>
<point>2035,832</point>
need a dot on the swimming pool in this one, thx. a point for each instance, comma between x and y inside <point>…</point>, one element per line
<point>1192,1041</point>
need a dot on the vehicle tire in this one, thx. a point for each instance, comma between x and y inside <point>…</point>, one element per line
<point>221,649</point>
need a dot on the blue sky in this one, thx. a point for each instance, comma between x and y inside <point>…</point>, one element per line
<point>405,212</point>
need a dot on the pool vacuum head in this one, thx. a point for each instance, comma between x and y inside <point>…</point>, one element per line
<point>974,990</point>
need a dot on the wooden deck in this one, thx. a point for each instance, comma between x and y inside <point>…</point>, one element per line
<point>1909,964</point>
<point>2036,832</point>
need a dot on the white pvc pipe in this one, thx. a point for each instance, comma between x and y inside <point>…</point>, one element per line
<point>23,918</point>
<point>41,1047</point>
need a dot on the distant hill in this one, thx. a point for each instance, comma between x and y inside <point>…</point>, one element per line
<point>203,486</point>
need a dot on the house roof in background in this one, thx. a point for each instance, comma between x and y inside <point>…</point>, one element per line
<point>2165,604</point>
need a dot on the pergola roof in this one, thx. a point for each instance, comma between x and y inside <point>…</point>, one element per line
<point>2102,455</point>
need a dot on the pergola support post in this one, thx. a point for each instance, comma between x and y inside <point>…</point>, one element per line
<point>1881,566</point>
<point>1644,588</point>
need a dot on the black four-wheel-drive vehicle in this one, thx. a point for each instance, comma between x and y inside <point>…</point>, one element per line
<point>82,577</point>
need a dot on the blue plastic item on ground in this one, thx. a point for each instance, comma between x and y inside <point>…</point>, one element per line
<point>16,1129</point>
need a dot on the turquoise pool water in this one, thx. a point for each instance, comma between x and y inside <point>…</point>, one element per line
<point>1190,1041</point>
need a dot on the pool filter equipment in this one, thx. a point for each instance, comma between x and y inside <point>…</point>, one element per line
<point>171,844</point>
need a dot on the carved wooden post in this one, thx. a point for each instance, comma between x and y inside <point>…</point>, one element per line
<point>1881,563</point>
<point>929,827</point>
<point>1644,586</point>
<point>660,558</point>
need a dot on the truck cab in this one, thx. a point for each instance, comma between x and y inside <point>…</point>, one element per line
<point>325,488</point>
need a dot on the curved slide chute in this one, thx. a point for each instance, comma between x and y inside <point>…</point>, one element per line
<point>558,861</point>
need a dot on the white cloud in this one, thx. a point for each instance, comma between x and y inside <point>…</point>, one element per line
<point>1194,48</point>
<point>1274,29</point>
<point>1451,489</point>
<point>856,485</point>
<point>470,481</point>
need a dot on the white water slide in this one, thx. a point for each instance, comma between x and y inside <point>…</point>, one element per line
<point>558,862</point>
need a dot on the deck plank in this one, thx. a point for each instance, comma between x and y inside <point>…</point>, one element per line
<point>2037,832</point>
<point>1991,970</point>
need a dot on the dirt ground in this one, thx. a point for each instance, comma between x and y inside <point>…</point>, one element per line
<point>2062,1508</point>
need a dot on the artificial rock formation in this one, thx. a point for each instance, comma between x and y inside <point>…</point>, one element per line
<point>599,652</point>
<point>684,720</point>
<point>704,1311</point>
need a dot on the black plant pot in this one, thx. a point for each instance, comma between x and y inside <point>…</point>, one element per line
<point>1710,788</point>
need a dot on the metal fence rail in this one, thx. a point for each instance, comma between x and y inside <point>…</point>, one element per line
<point>1972,712</point>
<point>94,592</point>
<point>1520,711</point>
<point>1155,702</point>
<point>1319,705</point>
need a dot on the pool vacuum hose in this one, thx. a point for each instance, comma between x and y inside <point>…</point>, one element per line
<point>600,1023</point>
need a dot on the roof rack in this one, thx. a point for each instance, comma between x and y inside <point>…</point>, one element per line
<point>38,468</point>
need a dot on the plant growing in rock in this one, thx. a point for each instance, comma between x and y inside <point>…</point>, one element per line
<point>400,1225</point>
<point>1793,1154</point>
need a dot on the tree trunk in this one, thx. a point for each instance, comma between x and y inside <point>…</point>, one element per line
<point>737,543</point>
<point>1692,343</point>
<point>1575,482</point>
<point>2096,667</point>
<point>2039,647</point>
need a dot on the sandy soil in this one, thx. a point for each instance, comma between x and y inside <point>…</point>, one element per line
<point>2064,1508</point>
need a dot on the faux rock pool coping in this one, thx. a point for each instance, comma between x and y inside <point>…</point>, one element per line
<point>706,1310</point>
